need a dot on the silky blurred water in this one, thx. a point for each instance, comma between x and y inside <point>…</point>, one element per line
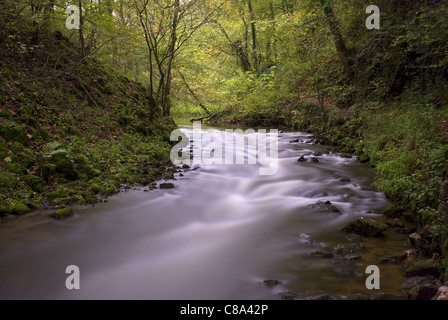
<point>221,232</point>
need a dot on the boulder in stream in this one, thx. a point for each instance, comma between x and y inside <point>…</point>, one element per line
<point>166,186</point>
<point>327,205</point>
<point>365,227</point>
<point>426,267</point>
<point>302,159</point>
<point>420,288</point>
<point>442,293</point>
<point>271,283</point>
<point>63,214</point>
<point>419,243</point>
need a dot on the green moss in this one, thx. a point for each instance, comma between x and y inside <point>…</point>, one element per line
<point>56,194</point>
<point>11,206</point>
<point>108,191</point>
<point>365,227</point>
<point>394,210</point>
<point>12,131</point>
<point>63,213</point>
<point>7,180</point>
<point>16,168</point>
<point>34,182</point>
<point>64,166</point>
<point>95,188</point>
<point>3,149</point>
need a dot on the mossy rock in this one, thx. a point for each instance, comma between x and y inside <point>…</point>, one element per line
<point>108,191</point>
<point>11,206</point>
<point>427,267</point>
<point>169,176</point>
<point>7,180</point>
<point>365,227</point>
<point>394,210</point>
<point>3,149</point>
<point>34,182</point>
<point>16,168</point>
<point>95,188</point>
<point>56,194</point>
<point>11,131</point>
<point>64,166</point>
<point>91,199</point>
<point>63,214</point>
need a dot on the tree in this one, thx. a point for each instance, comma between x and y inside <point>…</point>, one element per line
<point>339,42</point>
<point>167,26</point>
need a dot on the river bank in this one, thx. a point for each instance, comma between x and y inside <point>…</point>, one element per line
<point>238,235</point>
<point>409,159</point>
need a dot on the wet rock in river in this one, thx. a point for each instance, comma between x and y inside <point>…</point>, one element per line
<point>63,214</point>
<point>365,227</point>
<point>345,155</point>
<point>166,186</point>
<point>395,223</point>
<point>353,238</point>
<point>327,205</point>
<point>321,297</point>
<point>294,141</point>
<point>344,179</point>
<point>350,257</point>
<point>271,283</point>
<point>314,159</point>
<point>405,230</point>
<point>420,288</point>
<point>427,267</point>
<point>348,248</point>
<point>419,243</point>
<point>399,258</point>
<point>287,295</point>
<point>302,159</point>
<point>351,273</point>
<point>306,240</point>
<point>320,254</point>
<point>442,293</point>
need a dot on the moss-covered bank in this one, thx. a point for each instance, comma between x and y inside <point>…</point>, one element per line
<point>71,131</point>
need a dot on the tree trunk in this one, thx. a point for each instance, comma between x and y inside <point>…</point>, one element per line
<point>81,31</point>
<point>254,35</point>
<point>341,47</point>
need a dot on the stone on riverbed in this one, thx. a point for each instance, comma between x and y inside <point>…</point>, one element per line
<point>427,267</point>
<point>320,254</point>
<point>353,238</point>
<point>327,205</point>
<point>314,159</point>
<point>419,243</point>
<point>442,293</point>
<point>348,248</point>
<point>420,288</point>
<point>365,227</point>
<point>166,186</point>
<point>394,259</point>
<point>287,295</point>
<point>63,214</point>
<point>271,283</point>
<point>302,159</point>
<point>306,240</point>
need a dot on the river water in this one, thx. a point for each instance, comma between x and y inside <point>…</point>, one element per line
<point>218,234</point>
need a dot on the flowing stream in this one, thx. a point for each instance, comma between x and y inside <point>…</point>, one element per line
<point>218,234</point>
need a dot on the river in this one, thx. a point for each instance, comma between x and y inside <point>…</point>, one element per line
<point>218,234</point>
